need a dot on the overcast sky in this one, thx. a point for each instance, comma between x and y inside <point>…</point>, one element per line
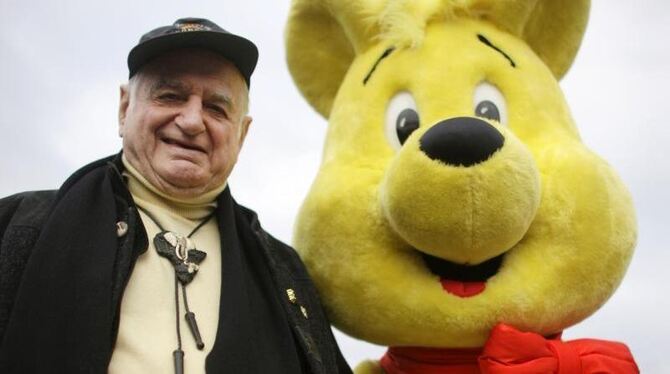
<point>62,63</point>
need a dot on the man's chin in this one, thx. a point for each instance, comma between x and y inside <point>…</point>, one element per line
<point>184,182</point>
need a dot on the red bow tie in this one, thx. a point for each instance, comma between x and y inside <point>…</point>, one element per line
<point>509,351</point>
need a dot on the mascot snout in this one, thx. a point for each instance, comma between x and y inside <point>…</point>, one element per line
<point>488,184</point>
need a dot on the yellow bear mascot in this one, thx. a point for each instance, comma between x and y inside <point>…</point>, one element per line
<point>457,217</point>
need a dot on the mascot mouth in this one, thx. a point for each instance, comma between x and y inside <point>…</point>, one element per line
<point>463,280</point>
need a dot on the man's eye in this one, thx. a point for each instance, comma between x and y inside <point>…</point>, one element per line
<point>169,96</point>
<point>217,109</point>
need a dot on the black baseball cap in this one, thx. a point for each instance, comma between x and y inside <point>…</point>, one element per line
<point>195,33</point>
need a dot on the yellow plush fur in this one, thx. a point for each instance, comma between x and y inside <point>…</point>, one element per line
<point>558,213</point>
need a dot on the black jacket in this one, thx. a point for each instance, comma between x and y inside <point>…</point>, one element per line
<point>23,216</point>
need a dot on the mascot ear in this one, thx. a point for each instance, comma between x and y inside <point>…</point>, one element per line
<point>322,39</point>
<point>552,28</point>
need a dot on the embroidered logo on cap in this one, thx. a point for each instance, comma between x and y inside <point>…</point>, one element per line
<point>185,27</point>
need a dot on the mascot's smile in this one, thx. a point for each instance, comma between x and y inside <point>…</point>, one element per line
<point>463,280</point>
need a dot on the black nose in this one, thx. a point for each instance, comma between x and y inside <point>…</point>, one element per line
<point>461,141</point>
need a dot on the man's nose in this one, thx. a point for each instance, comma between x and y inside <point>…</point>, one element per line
<point>190,119</point>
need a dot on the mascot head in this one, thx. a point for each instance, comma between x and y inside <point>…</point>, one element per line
<point>454,192</point>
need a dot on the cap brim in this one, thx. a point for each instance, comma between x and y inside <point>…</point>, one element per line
<point>238,50</point>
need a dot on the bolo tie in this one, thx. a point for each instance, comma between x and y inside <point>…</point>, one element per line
<point>185,258</point>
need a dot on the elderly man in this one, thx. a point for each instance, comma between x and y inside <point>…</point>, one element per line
<point>142,262</point>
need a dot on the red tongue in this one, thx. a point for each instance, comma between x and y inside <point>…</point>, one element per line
<point>462,289</point>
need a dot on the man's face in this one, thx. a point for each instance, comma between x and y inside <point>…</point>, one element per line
<point>183,121</point>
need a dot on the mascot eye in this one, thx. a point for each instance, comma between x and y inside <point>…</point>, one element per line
<point>402,119</point>
<point>489,103</point>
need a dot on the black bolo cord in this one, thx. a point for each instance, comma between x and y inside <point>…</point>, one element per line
<point>178,354</point>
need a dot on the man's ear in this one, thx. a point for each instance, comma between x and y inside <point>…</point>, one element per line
<point>244,128</point>
<point>124,100</point>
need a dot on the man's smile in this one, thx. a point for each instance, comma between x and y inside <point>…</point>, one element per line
<point>183,144</point>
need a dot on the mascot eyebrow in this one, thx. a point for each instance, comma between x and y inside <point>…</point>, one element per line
<point>383,56</point>
<point>483,39</point>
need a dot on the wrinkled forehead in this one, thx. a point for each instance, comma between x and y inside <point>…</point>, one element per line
<point>193,71</point>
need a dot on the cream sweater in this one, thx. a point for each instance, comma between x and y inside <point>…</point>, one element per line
<point>147,332</point>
